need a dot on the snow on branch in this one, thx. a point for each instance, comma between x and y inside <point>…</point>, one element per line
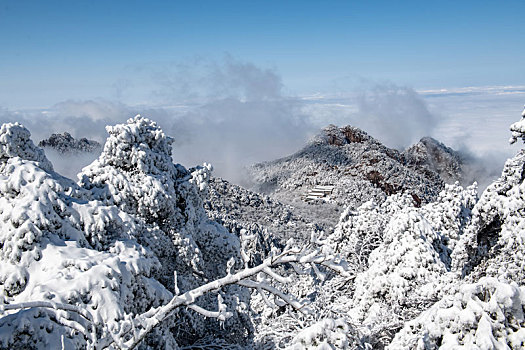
<point>47,304</point>
<point>129,332</point>
<point>59,308</point>
<point>221,315</point>
<point>308,255</point>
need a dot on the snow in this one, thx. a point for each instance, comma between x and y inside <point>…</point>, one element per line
<point>15,142</point>
<point>488,314</point>
<point>326,334</point>
<point>518,129</point>
<point>358,166</point>
<point>141,241</point>
<point>93,245</point>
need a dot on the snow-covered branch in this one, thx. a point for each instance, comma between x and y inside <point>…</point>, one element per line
<point>47,304</point>
<point>288,299</point>
<point>61,315</point>
<point>305,256</point>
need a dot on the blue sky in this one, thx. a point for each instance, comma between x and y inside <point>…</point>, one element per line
<point>57,50</point>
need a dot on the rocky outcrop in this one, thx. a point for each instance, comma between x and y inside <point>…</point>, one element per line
<point>65,143</point>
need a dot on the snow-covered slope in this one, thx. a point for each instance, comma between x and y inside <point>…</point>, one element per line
<point>238,208</point>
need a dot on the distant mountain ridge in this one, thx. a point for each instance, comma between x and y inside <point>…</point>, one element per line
<point>65,143</point>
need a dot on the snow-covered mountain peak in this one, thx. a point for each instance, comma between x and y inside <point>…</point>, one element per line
<point>339,136</point>
<point>433,155</point>
<point>358,166</point>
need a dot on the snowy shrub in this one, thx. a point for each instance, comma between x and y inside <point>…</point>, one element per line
<point>407,273</point>
<point>402,255</point>
<point>327,334</point>
<point>136,173</point>
<point>487,240</point>
<point>15,142</point>
<point>95,256</point>
<point>451,212</point>
<point>108,286</point>
<point>485,315</point>
<point>494,244</point>
<point>37,204</point>
<point>359,232</point>
<point>200,176</point>
<point>518,129</point>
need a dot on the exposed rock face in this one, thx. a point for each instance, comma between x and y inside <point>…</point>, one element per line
<point>359,166</point>
<point>65,143</point>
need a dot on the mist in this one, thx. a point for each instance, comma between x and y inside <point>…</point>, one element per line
<point>232,114</point>
<point>70,164</point>
<point>397,115</point>
<point>246,119</point>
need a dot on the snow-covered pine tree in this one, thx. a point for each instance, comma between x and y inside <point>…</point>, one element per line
<point>65,251</point>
